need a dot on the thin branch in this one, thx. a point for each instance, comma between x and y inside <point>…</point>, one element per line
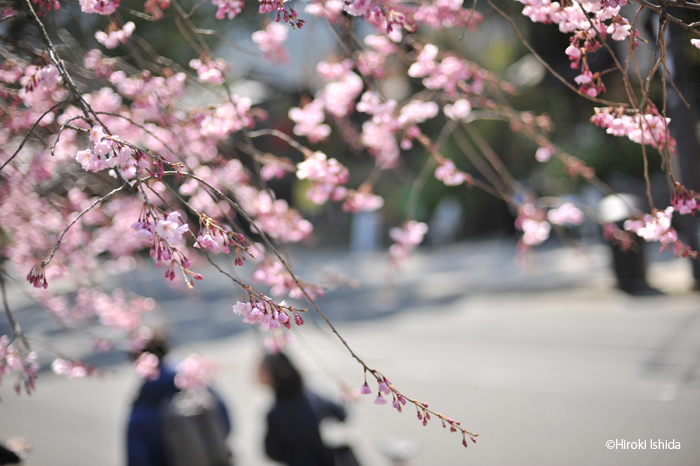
<point>11,17</point>
<point>31,130</point>
<point>16,328</point>
<point>279,134</point>
<point>661,11</point>
<point>89,208</point>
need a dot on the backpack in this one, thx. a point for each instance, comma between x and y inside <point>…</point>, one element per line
<point>194,431</point>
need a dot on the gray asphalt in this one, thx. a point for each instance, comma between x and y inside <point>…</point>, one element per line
<point>546,366</point>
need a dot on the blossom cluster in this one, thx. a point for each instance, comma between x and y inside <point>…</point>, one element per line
<point>210,71</point>
<point>163,232</point>
<point>370,62</point>
<point>284,12</point>
<point>587,21</point>
<point>533,223</point>
<point>228,8</point>
<point>215,238</point>
<point>270,41</point>
<point>102,7</point>
<point>196,371</point>
<point>262,310</point>
<point>649,128</point>
<point>325,174</point>
<point>406,239</point>
<point>657,227</point>
<point>103,153</point>
<point>309,121</point>
<point>147,366</point>
<point>450,74</point>
<point>448,173</point>
<point>113,38</point>
<point>684,201</point>
<point>565,214</point>
<point>72,369</point>
<point>15,358</point>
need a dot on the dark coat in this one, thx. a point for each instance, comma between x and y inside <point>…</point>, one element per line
<point>293,437</point>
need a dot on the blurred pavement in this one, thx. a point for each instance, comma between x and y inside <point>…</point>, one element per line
<point>546,366</point>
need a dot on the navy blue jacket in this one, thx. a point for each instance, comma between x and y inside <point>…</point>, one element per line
<point>144,432</point>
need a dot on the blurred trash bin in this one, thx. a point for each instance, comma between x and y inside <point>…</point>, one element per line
<point>629,264</point>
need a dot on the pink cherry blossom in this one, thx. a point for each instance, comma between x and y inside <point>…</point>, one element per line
<point>406,239</point>
<point>169,229</point>
<point>362,202</point>
<point>210,71</point>
<point>329,9</point>
<point>567,213</point>
<point>417,112</point>
<point>112,39</point>
<point>228,8</point>
<point>103,7</point>
<point>309,121</point>
<point>196,371</point>
<point>534,225</point>
<point>459,110</point>
<point>270,41</point>
<point>448,173</point>
<point>147,366</point>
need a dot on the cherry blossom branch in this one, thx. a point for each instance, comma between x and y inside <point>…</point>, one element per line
<point>31,130</point>
<point>601,40</point>
<point>547,65</point>
<point>57,62</point>
<point>378,375</point>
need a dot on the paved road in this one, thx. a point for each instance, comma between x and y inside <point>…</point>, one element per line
<point>547,366</point>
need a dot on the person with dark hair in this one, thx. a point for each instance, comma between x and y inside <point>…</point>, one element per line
<point>144,432</point>
<point>293,437</point>
<point>147,444</point>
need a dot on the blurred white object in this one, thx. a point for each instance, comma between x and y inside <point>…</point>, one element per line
<point>399,451</point>
<point>617,207</point>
